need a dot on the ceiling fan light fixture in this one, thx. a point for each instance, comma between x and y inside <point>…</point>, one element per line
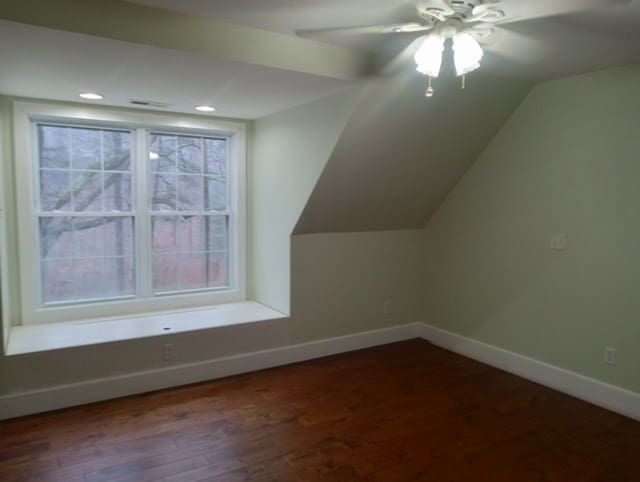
<point>429,56</point>
<point>467,53</point>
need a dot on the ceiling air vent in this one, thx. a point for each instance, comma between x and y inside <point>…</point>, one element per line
<point>149,103</point>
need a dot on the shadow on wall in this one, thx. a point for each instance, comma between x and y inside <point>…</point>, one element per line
<point>341,281</point>
<point>400,153</point>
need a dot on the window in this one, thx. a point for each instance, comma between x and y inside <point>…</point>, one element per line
<point>85,213</point>
<point>188,184</point>
<point>127,212</point>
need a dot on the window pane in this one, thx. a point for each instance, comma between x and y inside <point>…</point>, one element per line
<point>218,233</point>
<point>165,272</point>
<point>190,252</point>
<point>216,193</point>
<point>164,233</point>
<point>118,236</point>
<point>162,153</point>
<point>192,271</point>
<point>78,182</point>
<point>85,149</point>
<point>190,193</point>
<point>56,237</point>
<point>190,154</point>
<point>217,270</point>
<point>54,146</point>
<point>57,280</point>
<point>200,164</point>
<point>87,258</point>
<point>88,277</point>
<point>116,150</point>
<point>163,192</point>
<point>118,277</point>
<point>215,153</point>
<point>88,237</point>
<point>55,190</point>
<point>87,190</point>
<point>190,234</point>
<point>117,192</point>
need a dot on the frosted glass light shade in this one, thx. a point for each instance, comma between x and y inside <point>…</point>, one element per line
<point>467,53</point>
<point>429,56</point>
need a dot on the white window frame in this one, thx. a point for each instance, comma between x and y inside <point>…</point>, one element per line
<point>26,171</point>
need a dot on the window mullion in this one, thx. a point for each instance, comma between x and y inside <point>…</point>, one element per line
<point>143,219</point>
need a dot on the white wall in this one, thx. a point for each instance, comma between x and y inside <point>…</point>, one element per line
<point>288,153</point>
<point>567,161</point>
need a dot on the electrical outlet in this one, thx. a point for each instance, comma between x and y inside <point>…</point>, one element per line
<point>168,351</point>
<point>387,308</point>
<point>609,355</point>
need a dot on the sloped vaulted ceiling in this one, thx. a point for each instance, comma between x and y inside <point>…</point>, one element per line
<point>400,153</point>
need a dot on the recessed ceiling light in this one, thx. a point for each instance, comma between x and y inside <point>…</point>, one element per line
<point>91,96</point>
<point>205,108</point>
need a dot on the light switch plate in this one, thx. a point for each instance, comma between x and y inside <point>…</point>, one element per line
<point>559,241</point>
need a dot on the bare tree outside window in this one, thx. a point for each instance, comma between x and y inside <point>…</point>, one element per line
<point>86,219</point>
<point>87,215</point>
<point>190,222</point>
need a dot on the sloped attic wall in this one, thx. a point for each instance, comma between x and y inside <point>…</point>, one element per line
<point>288,152</point>
<point>335,284</point>
<point>400,153</point>
<point>567,162</point>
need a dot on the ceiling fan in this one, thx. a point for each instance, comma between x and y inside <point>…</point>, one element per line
<point>468,24</point>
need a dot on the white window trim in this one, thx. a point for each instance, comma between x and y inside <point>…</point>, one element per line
<point>25,113</point>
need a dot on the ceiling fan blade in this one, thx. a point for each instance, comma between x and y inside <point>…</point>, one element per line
<point>519,10</point>
<point>509,44</point>
<point>363,30</point>
<point>404,58</point>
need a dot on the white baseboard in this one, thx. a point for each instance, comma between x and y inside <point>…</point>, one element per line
<point>26,403</point>
<point>599,393</point>
<point>588,389</point>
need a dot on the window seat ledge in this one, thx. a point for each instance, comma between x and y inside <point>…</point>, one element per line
<point>55,336</point>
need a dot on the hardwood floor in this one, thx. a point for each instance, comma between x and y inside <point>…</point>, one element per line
<point>406,411</point>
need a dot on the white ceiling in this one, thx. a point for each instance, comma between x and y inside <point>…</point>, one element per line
<point>285,16</point>
<point>40,62</point>
<point>553,47</point>
<point>44,63</point>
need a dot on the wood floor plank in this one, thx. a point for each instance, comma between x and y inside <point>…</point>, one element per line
<point>404,411</point>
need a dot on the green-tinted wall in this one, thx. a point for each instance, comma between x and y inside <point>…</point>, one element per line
<point>567,161</point>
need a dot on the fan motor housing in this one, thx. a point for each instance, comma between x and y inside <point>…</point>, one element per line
<point>464,6</point>
<point>457,8</point>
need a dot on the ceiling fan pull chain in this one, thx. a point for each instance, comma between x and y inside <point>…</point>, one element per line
<point>464,81</point>
<point>430,90</point>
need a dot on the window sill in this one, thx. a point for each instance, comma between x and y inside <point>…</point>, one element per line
<point>55,336</point>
